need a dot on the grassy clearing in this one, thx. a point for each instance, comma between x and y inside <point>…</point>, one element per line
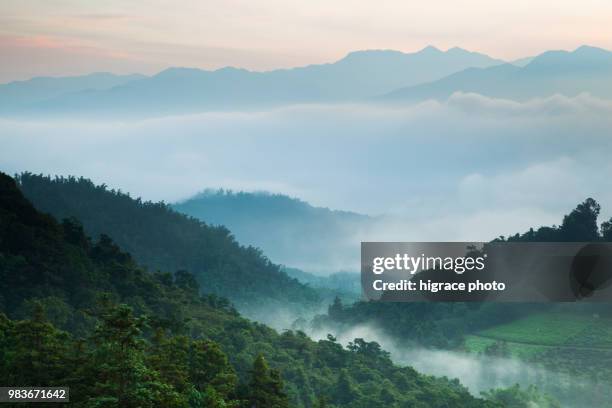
<point>575,348</point>
<point>537,334</point>
<point>477,344</point>
<point>551,329</point>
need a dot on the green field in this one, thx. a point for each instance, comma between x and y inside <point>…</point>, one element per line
<point>478,344</point>
<point>574,349</point>
<point>540,333</point>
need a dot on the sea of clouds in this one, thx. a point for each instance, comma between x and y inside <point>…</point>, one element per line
<point>469,168</point>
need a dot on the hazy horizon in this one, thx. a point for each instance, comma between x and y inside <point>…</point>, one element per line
<point>150,73</point>
<point>264,70</point>
<point>72,38</point>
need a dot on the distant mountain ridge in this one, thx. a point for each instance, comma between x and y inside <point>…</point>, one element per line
<point>359,75</point>
<point>289,231</point>
<point>372,76</point>
<point>584,70</point>
<point>345,283</point>
<point>35,90</point>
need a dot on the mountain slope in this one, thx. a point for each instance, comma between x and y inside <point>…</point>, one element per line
<point>463,325</point>
<point>296,233</point>
<point>580,225</point>
<point>161,346</point>
<point>586,69</point>
<point>163,239</point>
<point>359,75</point>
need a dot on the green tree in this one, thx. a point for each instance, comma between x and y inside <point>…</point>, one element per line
<point>186,281</point>
<point>345,390</point>
<point>266,386</point>
<point>122,377</point>
<point>606,230</point>
<point>38,351</point>
<point>336,309</point>
<point>210,368</point>
<point>168,355</point>
<point>581,224</point>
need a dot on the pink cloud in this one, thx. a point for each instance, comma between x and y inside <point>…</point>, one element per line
<point>24,57</point>
<point>60,44</point>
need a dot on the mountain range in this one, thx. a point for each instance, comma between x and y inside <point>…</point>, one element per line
<point>364,76</point>
<point>585,70</point>
<point>357,76</point>
<point>36,90</point>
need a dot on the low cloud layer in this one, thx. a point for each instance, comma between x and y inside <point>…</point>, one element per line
<point>478,372</point>
<point>467,169</point>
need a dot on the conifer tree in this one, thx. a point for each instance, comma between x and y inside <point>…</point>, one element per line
<point>38,351</point>
<point>210,368</point>
<point>123,378</point>
<point>266,386</point>
<point>345,390</point>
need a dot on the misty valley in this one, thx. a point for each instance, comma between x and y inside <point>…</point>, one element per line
<point>191,237</point>
<point>542,354</point>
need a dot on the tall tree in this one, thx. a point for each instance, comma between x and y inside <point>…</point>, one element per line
<point>38,351</point>
<point>345,391</point>
<point>266,386</point>
<point>581,224</point>
<point>209,368</point>
<point>122,377</point>
<point>606,230</point>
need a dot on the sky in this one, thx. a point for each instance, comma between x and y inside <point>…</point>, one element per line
<point>69,37</point>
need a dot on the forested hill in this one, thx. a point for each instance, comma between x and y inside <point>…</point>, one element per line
<point>581,225</point>
<point>161,238</point>
<point>136,339</point>
<point>314,239</point>
<point>445,324</point>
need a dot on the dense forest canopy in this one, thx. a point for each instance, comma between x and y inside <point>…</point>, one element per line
<point>83,313</point>
<point>163,239</point>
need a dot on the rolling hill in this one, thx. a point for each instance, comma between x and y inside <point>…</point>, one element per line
<point>163,239</point>
<point>297,234</point>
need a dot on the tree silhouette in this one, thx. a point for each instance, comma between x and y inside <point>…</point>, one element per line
<point>581,224</point>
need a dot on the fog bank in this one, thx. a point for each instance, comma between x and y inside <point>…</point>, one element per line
<point>470,168</point>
